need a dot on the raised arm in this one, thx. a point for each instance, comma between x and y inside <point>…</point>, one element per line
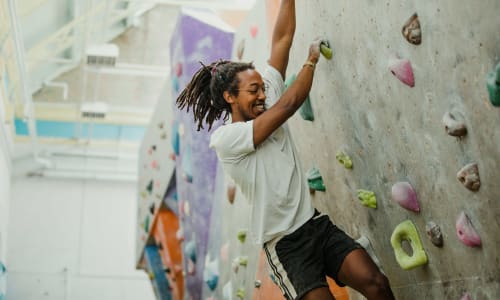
<point>266,123</point>
<point>282,38</point>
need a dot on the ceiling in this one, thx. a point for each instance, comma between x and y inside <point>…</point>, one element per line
<point>68,117</point>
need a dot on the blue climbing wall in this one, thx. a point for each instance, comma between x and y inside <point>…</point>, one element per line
<point>199,36</point>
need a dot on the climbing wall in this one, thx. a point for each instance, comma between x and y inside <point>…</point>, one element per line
<point>199,36</point>
<point>421,130</point>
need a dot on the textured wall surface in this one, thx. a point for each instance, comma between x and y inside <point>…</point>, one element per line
<point>394,133</point>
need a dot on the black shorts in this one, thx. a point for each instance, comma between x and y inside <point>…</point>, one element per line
<point>300,261</point>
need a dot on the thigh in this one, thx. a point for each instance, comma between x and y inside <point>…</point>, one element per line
<point>358,269</point>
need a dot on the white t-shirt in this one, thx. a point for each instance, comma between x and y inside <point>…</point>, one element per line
<point>271,176</point>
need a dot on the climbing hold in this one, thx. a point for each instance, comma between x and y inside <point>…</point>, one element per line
<point>242,235</point>
<point>211,273</point>
<point>404,194</point>
<point>466,296</point>
<point>406,231</point>
<point>231,193</point>
<point>178,69</point>
<point>191,267</point>
<point>453,126</point>
<point>254,30</point>
<point>149,188</point>
<point>190,250</point>
<point>235,265</point>
<point>175,140</point>
<point>175,84</point>
<point>411,30</point>
<point>240,293</point>
<point>469,177</point>
<point>155,165</point>
<point>401,68</point>
<point>224,252</point>
<point>367,198</point>
<point>344,159</point>
<point>187,165</point>
<point>466,232</point>
<point>152,208</point>
<point>163,135</point>
<point>306,111</point>
<point>257,283</point>
<point>434,233</point>
<point>325,49</point>
<point>187,208</point>
<point>146,224</point>
<point>179,235</point>
<point>243,261</point>
<point>493,85</point>
<point>241,49</point>
<point>315,180</point>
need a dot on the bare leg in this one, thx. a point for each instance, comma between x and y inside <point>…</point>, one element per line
<point>322,293</point>
<point>362,274</point>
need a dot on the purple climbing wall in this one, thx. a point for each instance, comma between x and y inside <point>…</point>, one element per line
<point>199,37</point>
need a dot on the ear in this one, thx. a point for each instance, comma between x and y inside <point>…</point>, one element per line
<point>228,97</point>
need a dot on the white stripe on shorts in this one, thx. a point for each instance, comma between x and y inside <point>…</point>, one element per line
<point>278,270</point>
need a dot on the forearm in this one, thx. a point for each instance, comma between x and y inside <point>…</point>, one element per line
<point>297,93</point>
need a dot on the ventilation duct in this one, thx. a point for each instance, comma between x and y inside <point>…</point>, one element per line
<point>102,55</point>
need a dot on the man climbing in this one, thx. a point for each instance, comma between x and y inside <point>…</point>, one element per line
<point>257,151</point>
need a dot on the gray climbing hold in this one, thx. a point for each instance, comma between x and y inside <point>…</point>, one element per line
<point>453,124</point>
<point>469,177</point>
<point>434,233</point>
<point>411,30</point>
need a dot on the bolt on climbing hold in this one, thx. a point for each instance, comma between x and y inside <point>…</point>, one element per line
<point>231,193</point>
<point>367,198</point>
<point>149,188</point>
<point>315,180</point>
<point>190,250</point>
<point>254,30</point>
<point>178,69</point>
<point>152,208</point>
<point>257,283</point>
<point>401,68</point>
<point>453,125</point>
<point>344,159</point>
<point>411,30</point>
<point>325,49</point>
<point>434,233</point>
<point>469,177</point>
<point>305,109</point>
<point>242,235</point>
<point>404,194</point>
<point>466,232</point>
<point>493,85</point>
<point>243,261</point>
<point>406,231</point>
<point>240,293</point>
<point>241,49</point>
<point>211,273</point>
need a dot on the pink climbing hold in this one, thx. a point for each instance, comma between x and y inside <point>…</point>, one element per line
<point>404,194</point>
<point>401,68</point>
<point>178,69</point>
<point>254,29</point>
<point>466,296</point>
<point>466,232</point>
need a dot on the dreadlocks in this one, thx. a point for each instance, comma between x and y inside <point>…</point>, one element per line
<point>204,93</point>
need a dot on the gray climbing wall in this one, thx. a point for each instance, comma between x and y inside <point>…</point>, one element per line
<point>395,133</point>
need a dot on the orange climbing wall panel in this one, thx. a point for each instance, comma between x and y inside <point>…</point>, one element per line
<point>269,290</point>
<point>164,232</point>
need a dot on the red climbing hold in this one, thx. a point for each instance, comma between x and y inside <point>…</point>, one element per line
<point>254,29</point>
<point>401,68</point>
<point>404,194</point>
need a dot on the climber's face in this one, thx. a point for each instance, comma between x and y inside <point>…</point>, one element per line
<point>250,100</point>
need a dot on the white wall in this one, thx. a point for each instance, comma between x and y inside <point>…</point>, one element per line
<point>72,240</point>
<point>4,196</point>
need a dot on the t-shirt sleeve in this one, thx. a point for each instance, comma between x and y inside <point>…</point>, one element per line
<point>234,141</point>
<point>275,83</point>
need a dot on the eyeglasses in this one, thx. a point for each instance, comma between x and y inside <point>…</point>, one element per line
<point>254,89</point>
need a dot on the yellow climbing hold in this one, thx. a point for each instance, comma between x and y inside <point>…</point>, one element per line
<point>406,231</point>
<point>325,49</point>
<point>344,159</point>
<point>367,198</point>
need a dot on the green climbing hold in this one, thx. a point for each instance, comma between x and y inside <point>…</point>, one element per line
<point>243,261</point>
<point>344,159</point>
<point>240,293</point>
<point>315,180</point>
<point>305,109</point>
<point>367,198</point>
<point>326,50</point>
<point>493,85</point>
<point>146,224</point>
<point>242,235</point>
<point>149,188</point>
<point>406,231</point>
